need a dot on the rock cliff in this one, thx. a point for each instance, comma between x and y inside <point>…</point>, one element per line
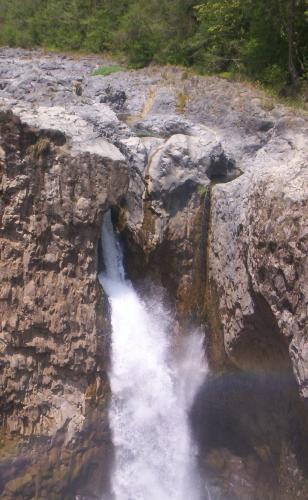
<point>258,249</point>
<point>207,181</point>
<point>54,319</point>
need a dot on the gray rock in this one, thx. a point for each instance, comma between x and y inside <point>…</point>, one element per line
<point>182,158</point>
<point>54,329</point>
<point>114,97</point>
<point>260,244</point>
<point>166,151</point>
<point>163,126</point>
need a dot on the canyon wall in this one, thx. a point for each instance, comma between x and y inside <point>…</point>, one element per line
<point>210,200</point>
<point>55,328</point>
<point>257,255</point>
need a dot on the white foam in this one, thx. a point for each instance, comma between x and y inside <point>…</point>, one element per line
<point>155,458</point>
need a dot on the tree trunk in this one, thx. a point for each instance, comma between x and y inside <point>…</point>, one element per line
<point>291,65</point>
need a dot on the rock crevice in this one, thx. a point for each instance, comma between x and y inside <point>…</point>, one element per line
<point>210,201</point>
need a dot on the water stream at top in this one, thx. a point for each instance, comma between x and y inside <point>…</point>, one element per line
<point>155,457</point>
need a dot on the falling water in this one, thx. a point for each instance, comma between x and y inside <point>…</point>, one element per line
<point>155,458</point>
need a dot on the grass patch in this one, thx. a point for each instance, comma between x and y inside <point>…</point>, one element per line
<point>227,75</point>
<point>202,190</point>
<point>107,70</point>
<point>297,102</point>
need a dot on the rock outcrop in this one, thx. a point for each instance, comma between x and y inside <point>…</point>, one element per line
<point>55,327</point>
<point>258,251</point>
<point>162,230</point>
<point>206,178</point>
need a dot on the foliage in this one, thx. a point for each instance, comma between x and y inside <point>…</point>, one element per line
<point>251,37</point>
<point>107,70</point>
<point>264,40</point>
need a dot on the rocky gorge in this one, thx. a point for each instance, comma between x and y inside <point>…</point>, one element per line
<point>207,182</point>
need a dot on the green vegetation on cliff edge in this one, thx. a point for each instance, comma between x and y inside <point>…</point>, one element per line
<point>264,40</point>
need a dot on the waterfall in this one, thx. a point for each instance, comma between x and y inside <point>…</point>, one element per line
<point>152,390</point>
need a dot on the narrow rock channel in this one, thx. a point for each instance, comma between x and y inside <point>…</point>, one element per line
<point>152,392</point>
<point>102,388</point>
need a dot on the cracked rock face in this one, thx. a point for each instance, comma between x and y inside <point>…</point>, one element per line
<point>211,202</point>
<point>258,248</point>
<point>163,224</point>
<point>54,318</point>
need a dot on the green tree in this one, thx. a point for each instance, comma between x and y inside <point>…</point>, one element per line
<point>223,28</point>
<point>265,40</point>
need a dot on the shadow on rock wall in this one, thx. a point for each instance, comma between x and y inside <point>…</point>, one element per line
<point>251,436</point>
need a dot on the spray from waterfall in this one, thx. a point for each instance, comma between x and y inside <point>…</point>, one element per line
<point>155,457</point>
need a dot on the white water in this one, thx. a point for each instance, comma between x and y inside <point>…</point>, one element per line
<point>155,458</point>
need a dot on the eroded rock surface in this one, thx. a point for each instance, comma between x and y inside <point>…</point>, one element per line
<point>54,319</point>
<point>261,219</point>
<point>207,180</point>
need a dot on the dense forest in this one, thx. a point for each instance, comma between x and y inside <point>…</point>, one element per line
<point>266,40</point>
